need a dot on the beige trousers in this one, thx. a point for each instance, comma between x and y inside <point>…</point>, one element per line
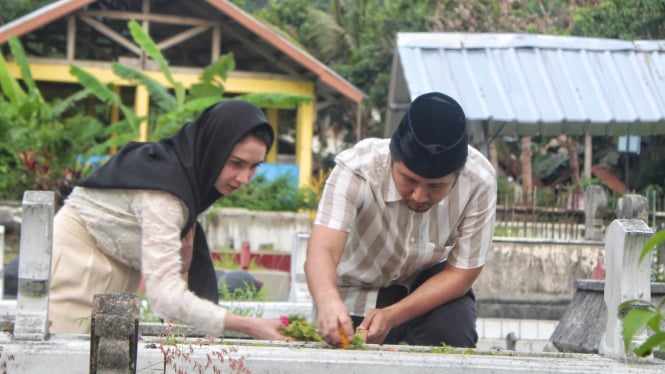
<point>79,270</point>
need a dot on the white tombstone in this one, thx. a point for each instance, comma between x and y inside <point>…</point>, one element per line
<point>627,278</point>
<point>299,292</point>
<point>35,265</point>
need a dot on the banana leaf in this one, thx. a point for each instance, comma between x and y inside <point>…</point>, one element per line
<point>148,45</point>
<point>211,81</point>
<point>158,93</point>
<point>106,95</point>
<point>168,123</point>
<point>60,107</point>
<point>10,87</point>
<point>22,61</point>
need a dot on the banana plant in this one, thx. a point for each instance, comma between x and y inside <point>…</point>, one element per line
<point>172,110</point>
<point>38,150</point>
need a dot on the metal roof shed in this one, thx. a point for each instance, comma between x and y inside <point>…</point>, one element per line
<point>522,84</point>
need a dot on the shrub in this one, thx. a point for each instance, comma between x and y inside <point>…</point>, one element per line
<point>279,194</point>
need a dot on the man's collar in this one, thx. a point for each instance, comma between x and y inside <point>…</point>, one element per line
<point>389,188</point>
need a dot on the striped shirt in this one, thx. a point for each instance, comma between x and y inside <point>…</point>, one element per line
<point>389,244</point>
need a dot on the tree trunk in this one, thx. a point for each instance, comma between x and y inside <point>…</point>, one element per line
<point>571,145</point>
<point>588,153</point>
<point>527,179</point>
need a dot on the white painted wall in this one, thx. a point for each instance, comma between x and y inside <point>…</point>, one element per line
<point>229,227</point>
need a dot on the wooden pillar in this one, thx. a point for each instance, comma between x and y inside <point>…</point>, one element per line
<point>588,154</point>
<point>142,108</point>
<point>71,38</point>
<point>273,118</point>
<point>115,114</point>
<point>304,136</point>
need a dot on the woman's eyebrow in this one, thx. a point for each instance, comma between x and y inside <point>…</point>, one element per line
<point>237,159</point>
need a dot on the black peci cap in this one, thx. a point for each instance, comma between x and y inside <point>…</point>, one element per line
<point>431,139</point>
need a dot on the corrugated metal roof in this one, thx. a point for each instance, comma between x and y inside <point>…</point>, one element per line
<point>536,84</point>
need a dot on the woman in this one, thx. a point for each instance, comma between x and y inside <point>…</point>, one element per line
<point>136,215</point>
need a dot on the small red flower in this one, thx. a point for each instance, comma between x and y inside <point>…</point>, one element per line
<point>285,320</point>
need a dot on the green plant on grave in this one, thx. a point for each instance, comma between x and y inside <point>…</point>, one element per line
<point>247,293</point>
<point>298,327</point>
<point>641,316</point>
<point>443,348</point>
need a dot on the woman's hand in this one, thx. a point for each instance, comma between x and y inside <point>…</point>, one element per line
<point>257,328</point>
<point>187,249</point>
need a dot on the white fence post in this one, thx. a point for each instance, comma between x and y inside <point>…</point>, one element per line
<point>627,278</point>
<point>35,265</point>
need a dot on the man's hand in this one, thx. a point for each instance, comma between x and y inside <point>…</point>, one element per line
<point>333,319</point>
<point>378,323</point>
<point>323,253</point>
<point>187,249</point>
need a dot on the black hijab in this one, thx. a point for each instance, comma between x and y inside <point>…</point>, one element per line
<point>187,165</point>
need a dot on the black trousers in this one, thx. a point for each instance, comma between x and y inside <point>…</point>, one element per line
<point>453,323</point>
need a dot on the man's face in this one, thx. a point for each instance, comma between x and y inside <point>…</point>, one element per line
<point>421,193</point>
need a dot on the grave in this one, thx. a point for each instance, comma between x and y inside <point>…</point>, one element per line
<point>35,350</point>
<point>588,326</point>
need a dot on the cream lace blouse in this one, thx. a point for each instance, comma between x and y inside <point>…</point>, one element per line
<point>141,228</point>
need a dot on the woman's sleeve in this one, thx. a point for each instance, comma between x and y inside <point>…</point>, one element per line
<point>162,217</point>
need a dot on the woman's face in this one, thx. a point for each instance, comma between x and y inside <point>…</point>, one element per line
<point>241,165</point>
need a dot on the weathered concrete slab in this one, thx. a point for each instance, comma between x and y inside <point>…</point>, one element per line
<point>70,355</point>
<point>583,323</point>
<point>114,333</point>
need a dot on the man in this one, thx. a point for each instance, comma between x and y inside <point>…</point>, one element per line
<point>402,232</point>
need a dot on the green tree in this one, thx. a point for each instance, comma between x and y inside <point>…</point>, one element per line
<point>357,38</point>
<point>621,19</point>
<point>10,10</point>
